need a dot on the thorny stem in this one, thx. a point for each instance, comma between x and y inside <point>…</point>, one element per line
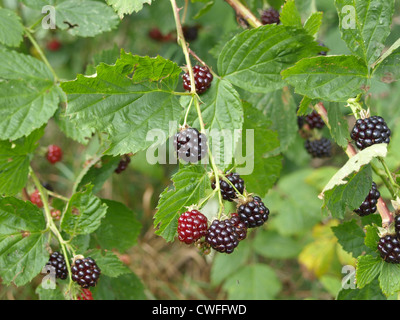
<point>181,41</point>
<point>244,13</point>
<point>386,215</point>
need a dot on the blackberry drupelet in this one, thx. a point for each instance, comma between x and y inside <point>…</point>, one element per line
<point>389,248</point>
<point>85,272</point>
<point>227,191</point>
<point>190,145</point>
<point>321,148</point>
<point>202,78</point>
<point>270,16</point>
<point>369,131</point>
<point>369,205</point>
<point>57,261</point>
<point>192,225</point>
<point>253,213</point>
<point>223,236</point>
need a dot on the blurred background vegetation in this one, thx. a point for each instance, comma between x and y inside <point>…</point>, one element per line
<point>295,255</point>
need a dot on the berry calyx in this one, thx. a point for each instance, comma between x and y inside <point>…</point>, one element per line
<point>58,264</point>
<point>314,120</point>
<point>35,198</point>
<point>85,272</point>
<point>54,154</point>
<point>270,16</point>
<point>227,191</point>
<point>192,225</point>
<point>369,131</point>
<point>123,164</point>
<point>202,78</point>
<point>253,212</point>
<point>86,294</point>
<point>320,148</point>
<point>369,204</point>
<point>222,236</point>
<point>190,145</point>
<point>389,248</point>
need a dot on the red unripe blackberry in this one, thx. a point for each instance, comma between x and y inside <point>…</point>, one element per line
<point>369,205</point>
<point>321,148</point>
<point>253,213</point>
<point>156,34</point>
<point>54,45</point>
<point>123,164</point>
<point>223,236</point>
<point>86,294</point>
<point>190,145</point>
<point>389,248</point>
<point>314,120</point>
<point>227,191</point>
<point>54,154</point>
<point>192,225</point>
<point>85,272</point>
<point>202,78</point>
<point>57,262</point>
<point>270,16</point>
<point>369,131</point>
<point>35,198</point>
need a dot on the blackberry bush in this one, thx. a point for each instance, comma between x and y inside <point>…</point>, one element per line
<point>227,191</point>
<point>190,145</point>
<point>369,131</point>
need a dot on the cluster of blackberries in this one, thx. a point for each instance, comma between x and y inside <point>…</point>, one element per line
<point>190,145</point>
<point>224,235</point>
<point>369,131</point>
<point>317,148</point>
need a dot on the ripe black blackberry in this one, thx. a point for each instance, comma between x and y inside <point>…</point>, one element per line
<point>85,272</point>
<point>222,236</point>
<point>389,248</point>
<point>369,205</point>
<point>190,145</point>
<point>314,120</point>
<point>192,225</point>
<point>270,16</point>
<point>123,164</point>
<point>227,191</point>
<point>57,262</point>
<point>253,212</point>
<point>369,131</point>
<point>240,226</point>
<point>397,225</point>
<point>321,148</point>
<point>191,32</point>
<point>202,78</point>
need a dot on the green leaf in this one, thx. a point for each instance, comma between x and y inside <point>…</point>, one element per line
<point>370,292</point>
<point>15,158</point>
<point>84,213</point>
<point>28,96</point>
<point>85,18</point>
<point>275,246</point>
<point>368,268</point>
<point>23,242</point>
<point>253,282</point>
<point>127,108</point>
<point>190,185</point>
<point>49,294</point>
<point>371,237</point>
<point>351,237</point>
<point>118,220</point>
<point>339,127</point>
<point>389,279</point>
<point>313,23</point>
<point>253,59</point>
<point>289,15</point>
<point>11,28</point>
<point>260,166</point>
<point>365,25</point>
<point>123,7</point>
<point>388,70</point>
<point>332,78</point>
<point>109,264</point>
<point>351,195</point>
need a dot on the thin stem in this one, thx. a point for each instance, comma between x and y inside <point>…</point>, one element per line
<point>56,195</point>
<point>388,173</point>
<point>244,13</point>
<point>187,112</point>
<point>40,52</point>
<point>384,179</point>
